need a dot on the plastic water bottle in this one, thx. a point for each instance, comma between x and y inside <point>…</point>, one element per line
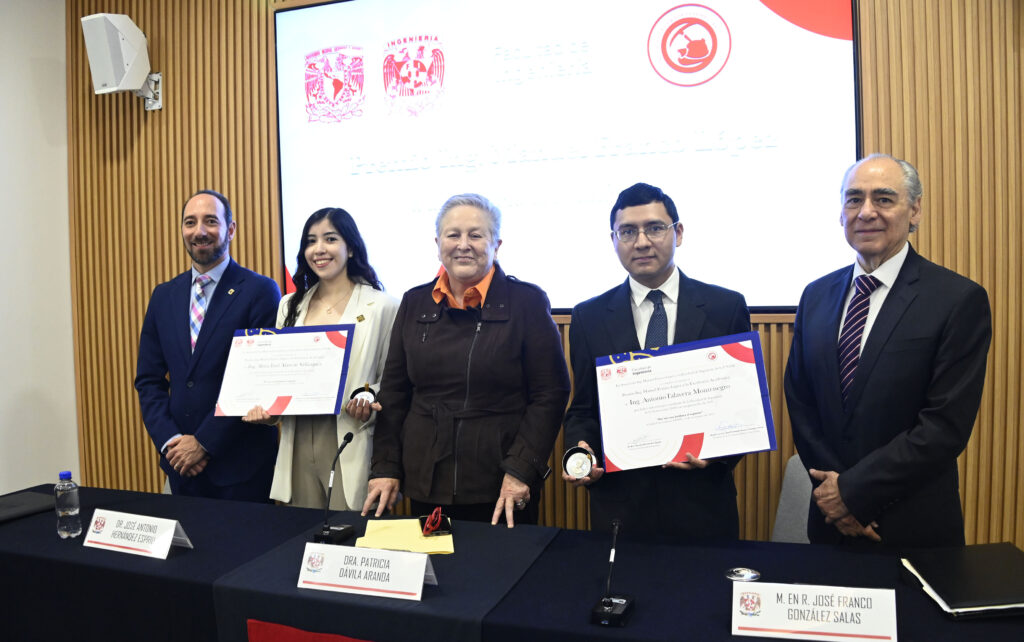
<point>69,524</point>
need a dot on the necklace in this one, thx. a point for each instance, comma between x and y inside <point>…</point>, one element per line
<point>330,308</point>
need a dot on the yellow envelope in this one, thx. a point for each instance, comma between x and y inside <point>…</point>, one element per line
<point>403,535</point>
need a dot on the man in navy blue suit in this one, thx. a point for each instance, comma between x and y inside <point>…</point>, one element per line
<point>183,350</point>
<point>687,501</point>
<point>885,375</point>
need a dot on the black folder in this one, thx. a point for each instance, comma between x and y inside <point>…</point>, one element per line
<point>24,503</point>
<point>980,580</point>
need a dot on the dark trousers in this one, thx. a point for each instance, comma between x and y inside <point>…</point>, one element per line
<point>667,505</point>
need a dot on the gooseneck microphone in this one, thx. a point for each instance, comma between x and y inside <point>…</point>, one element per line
<point>612,609</point>
<point>611,561</point>
<point>339,533</point>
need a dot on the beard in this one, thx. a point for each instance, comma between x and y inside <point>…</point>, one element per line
<point>209,255</point>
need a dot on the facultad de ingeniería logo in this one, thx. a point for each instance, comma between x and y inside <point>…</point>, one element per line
<point>689,45</point>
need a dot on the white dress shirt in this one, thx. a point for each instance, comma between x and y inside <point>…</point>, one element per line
<point>886,273</point>
<point>643,309</point>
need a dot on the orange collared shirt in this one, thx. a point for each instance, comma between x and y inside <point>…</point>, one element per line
<point>474,296</point>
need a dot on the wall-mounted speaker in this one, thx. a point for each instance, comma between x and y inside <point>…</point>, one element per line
<point>117,52</point>
<point>118,59</point>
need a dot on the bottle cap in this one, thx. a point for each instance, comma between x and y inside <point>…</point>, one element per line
<point>65,474</point>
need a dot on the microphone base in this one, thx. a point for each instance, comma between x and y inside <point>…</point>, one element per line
<point>334,534</point>
<point>612,610</point>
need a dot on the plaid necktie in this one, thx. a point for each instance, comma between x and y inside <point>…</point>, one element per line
<point>197,311</point>
<point>657,329</point>
<point>853,330</point>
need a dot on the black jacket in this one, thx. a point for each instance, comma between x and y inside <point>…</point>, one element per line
<point>911,408</point>
<point>469,395</point>
<point>688,506</point>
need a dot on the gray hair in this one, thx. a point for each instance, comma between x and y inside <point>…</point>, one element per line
<point>911,179</point>
<point>479,202</point>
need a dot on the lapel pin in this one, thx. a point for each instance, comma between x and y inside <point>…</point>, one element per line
<point>231,291</point>
<point>360,318</point>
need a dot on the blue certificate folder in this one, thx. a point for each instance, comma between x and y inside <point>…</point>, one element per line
<point>342,332</point>
<point>730,344</point>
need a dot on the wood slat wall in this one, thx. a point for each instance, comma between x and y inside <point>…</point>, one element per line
<point>941,85</point>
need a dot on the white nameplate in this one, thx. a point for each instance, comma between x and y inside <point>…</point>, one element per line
<point>135,534</point>
<point>365,571</point>
<point>806,612</point>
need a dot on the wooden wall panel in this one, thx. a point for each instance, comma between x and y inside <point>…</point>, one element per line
<point>941,85</point>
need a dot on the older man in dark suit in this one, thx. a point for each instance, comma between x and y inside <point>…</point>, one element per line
<point>657,305</point>
<point>183,350</point>
<point>885,375</point>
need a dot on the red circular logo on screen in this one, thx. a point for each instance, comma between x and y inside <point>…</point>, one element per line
<point>689,45</point>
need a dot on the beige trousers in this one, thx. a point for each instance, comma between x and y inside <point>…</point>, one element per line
<point>316,442</point>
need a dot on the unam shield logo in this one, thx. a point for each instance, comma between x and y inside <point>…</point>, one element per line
<point>689,45</point>
<point>606,373</point>
<point>413,73</point>
<point>334,84</point>
<point>750,604</point>
<point>98,524</point>
<point>315,562</point>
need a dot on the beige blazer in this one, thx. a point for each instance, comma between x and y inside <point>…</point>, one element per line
<point>373,313</point>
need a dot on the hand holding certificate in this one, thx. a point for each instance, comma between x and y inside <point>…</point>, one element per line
<point>288,371</point>
<point>708,398</point>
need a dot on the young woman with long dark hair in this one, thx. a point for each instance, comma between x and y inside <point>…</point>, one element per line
<point>334,283</point>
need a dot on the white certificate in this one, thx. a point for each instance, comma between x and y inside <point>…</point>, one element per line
<point>288,371</point>
<point>708,397</point>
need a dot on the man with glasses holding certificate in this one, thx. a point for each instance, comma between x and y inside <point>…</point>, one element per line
<point>693,500</point>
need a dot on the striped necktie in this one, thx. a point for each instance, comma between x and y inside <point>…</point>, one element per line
<point>657,328</point>
<point>853,330</point>
<point>197,311</point>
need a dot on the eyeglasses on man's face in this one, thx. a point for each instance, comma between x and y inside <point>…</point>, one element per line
<point>653,232</point>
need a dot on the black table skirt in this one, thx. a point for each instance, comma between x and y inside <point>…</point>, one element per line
<point>682,593</point>
<point>528,583</point>
<point>105,595</point>
<point>488,561</point>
